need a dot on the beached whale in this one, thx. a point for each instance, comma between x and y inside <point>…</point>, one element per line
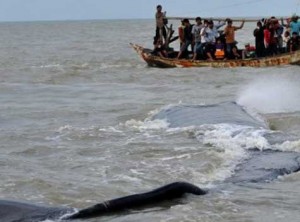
<point>197,115</point>
<point>12,211</point>
<point>261,165</point>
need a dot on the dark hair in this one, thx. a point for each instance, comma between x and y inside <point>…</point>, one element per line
<point>185,20</point>
<point>198,18</point>
<point>294,33</point>
<point>158,6</point>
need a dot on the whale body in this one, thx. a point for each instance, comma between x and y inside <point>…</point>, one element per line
<point>13,211</point>
<point>196,115</point>
<point>260,166</point>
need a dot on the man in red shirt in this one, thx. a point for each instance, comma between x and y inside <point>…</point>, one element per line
<point>270,40</point>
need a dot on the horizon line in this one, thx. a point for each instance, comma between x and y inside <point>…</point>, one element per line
<point>142,18</point>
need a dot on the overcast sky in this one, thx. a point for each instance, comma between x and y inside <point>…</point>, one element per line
<point>30,10</point>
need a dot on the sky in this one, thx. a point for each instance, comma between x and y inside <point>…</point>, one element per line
<point>40,10</point>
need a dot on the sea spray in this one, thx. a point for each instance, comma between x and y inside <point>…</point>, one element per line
<point>271,95</point>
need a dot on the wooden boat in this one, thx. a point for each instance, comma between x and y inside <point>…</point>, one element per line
<point>156,61</point>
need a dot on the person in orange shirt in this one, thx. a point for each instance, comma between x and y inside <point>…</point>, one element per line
<point>229,32</point>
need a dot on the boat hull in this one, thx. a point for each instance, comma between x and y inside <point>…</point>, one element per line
<point>156,61</point>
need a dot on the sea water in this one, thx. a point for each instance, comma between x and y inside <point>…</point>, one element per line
<point>76,127</point>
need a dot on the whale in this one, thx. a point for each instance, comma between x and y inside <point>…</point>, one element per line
<point>260,165</point>
<point>197,115</point>
<point>15,211</point>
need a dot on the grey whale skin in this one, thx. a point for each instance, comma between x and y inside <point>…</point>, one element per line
<point>261,166</point>
<point>12,211</point>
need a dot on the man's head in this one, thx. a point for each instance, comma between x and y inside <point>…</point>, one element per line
<point>198,20</point>
<point>259,24</point>
<point>295,18</point>
<point>210,23</point>
<point>286,34</point>
<point>159,8</point>
<point>205,22</point>
<point>294,35</point>
<point>229,22</point>
<point>186,22</point>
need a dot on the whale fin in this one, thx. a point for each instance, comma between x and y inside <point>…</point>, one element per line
<point>164,193</point>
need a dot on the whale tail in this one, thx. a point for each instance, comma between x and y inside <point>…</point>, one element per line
<point>164,193</point>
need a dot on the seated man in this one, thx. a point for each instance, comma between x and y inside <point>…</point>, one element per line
<point>294,42</point>
<point>159,48</point>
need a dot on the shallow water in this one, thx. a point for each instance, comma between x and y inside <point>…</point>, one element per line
<point>75,129</point>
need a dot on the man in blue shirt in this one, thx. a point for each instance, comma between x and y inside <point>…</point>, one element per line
<point>295,25</point>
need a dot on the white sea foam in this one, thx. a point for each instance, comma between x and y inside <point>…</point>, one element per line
<point>147,125</point>
<point>289,146</point>
<point>68,132</point>
<point>50,66</point>
<point>47,66</point>
<point>232,141</point>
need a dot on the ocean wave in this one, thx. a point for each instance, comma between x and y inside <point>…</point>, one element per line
<point>147,125</point>
<point>68,132</point>
<point>121,64</point>
<point>48,66</point>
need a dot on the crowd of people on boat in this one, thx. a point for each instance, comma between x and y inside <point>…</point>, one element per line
<point>208,42</point>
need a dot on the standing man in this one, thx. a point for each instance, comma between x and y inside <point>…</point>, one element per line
<point>229,32</point>
<point>160,26</point>
<point>188,37</point>
<point>197,37</point>
<point>210,34</point>
<point>270,40</point>
<point>259,40</point>
<point>181,33</point>
<point>295,25</point>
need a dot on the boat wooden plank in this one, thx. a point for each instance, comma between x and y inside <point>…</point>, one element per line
<point>156,61</point>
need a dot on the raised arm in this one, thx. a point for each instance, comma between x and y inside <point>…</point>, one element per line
<point>220,24</point>
<point>242,25</point>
